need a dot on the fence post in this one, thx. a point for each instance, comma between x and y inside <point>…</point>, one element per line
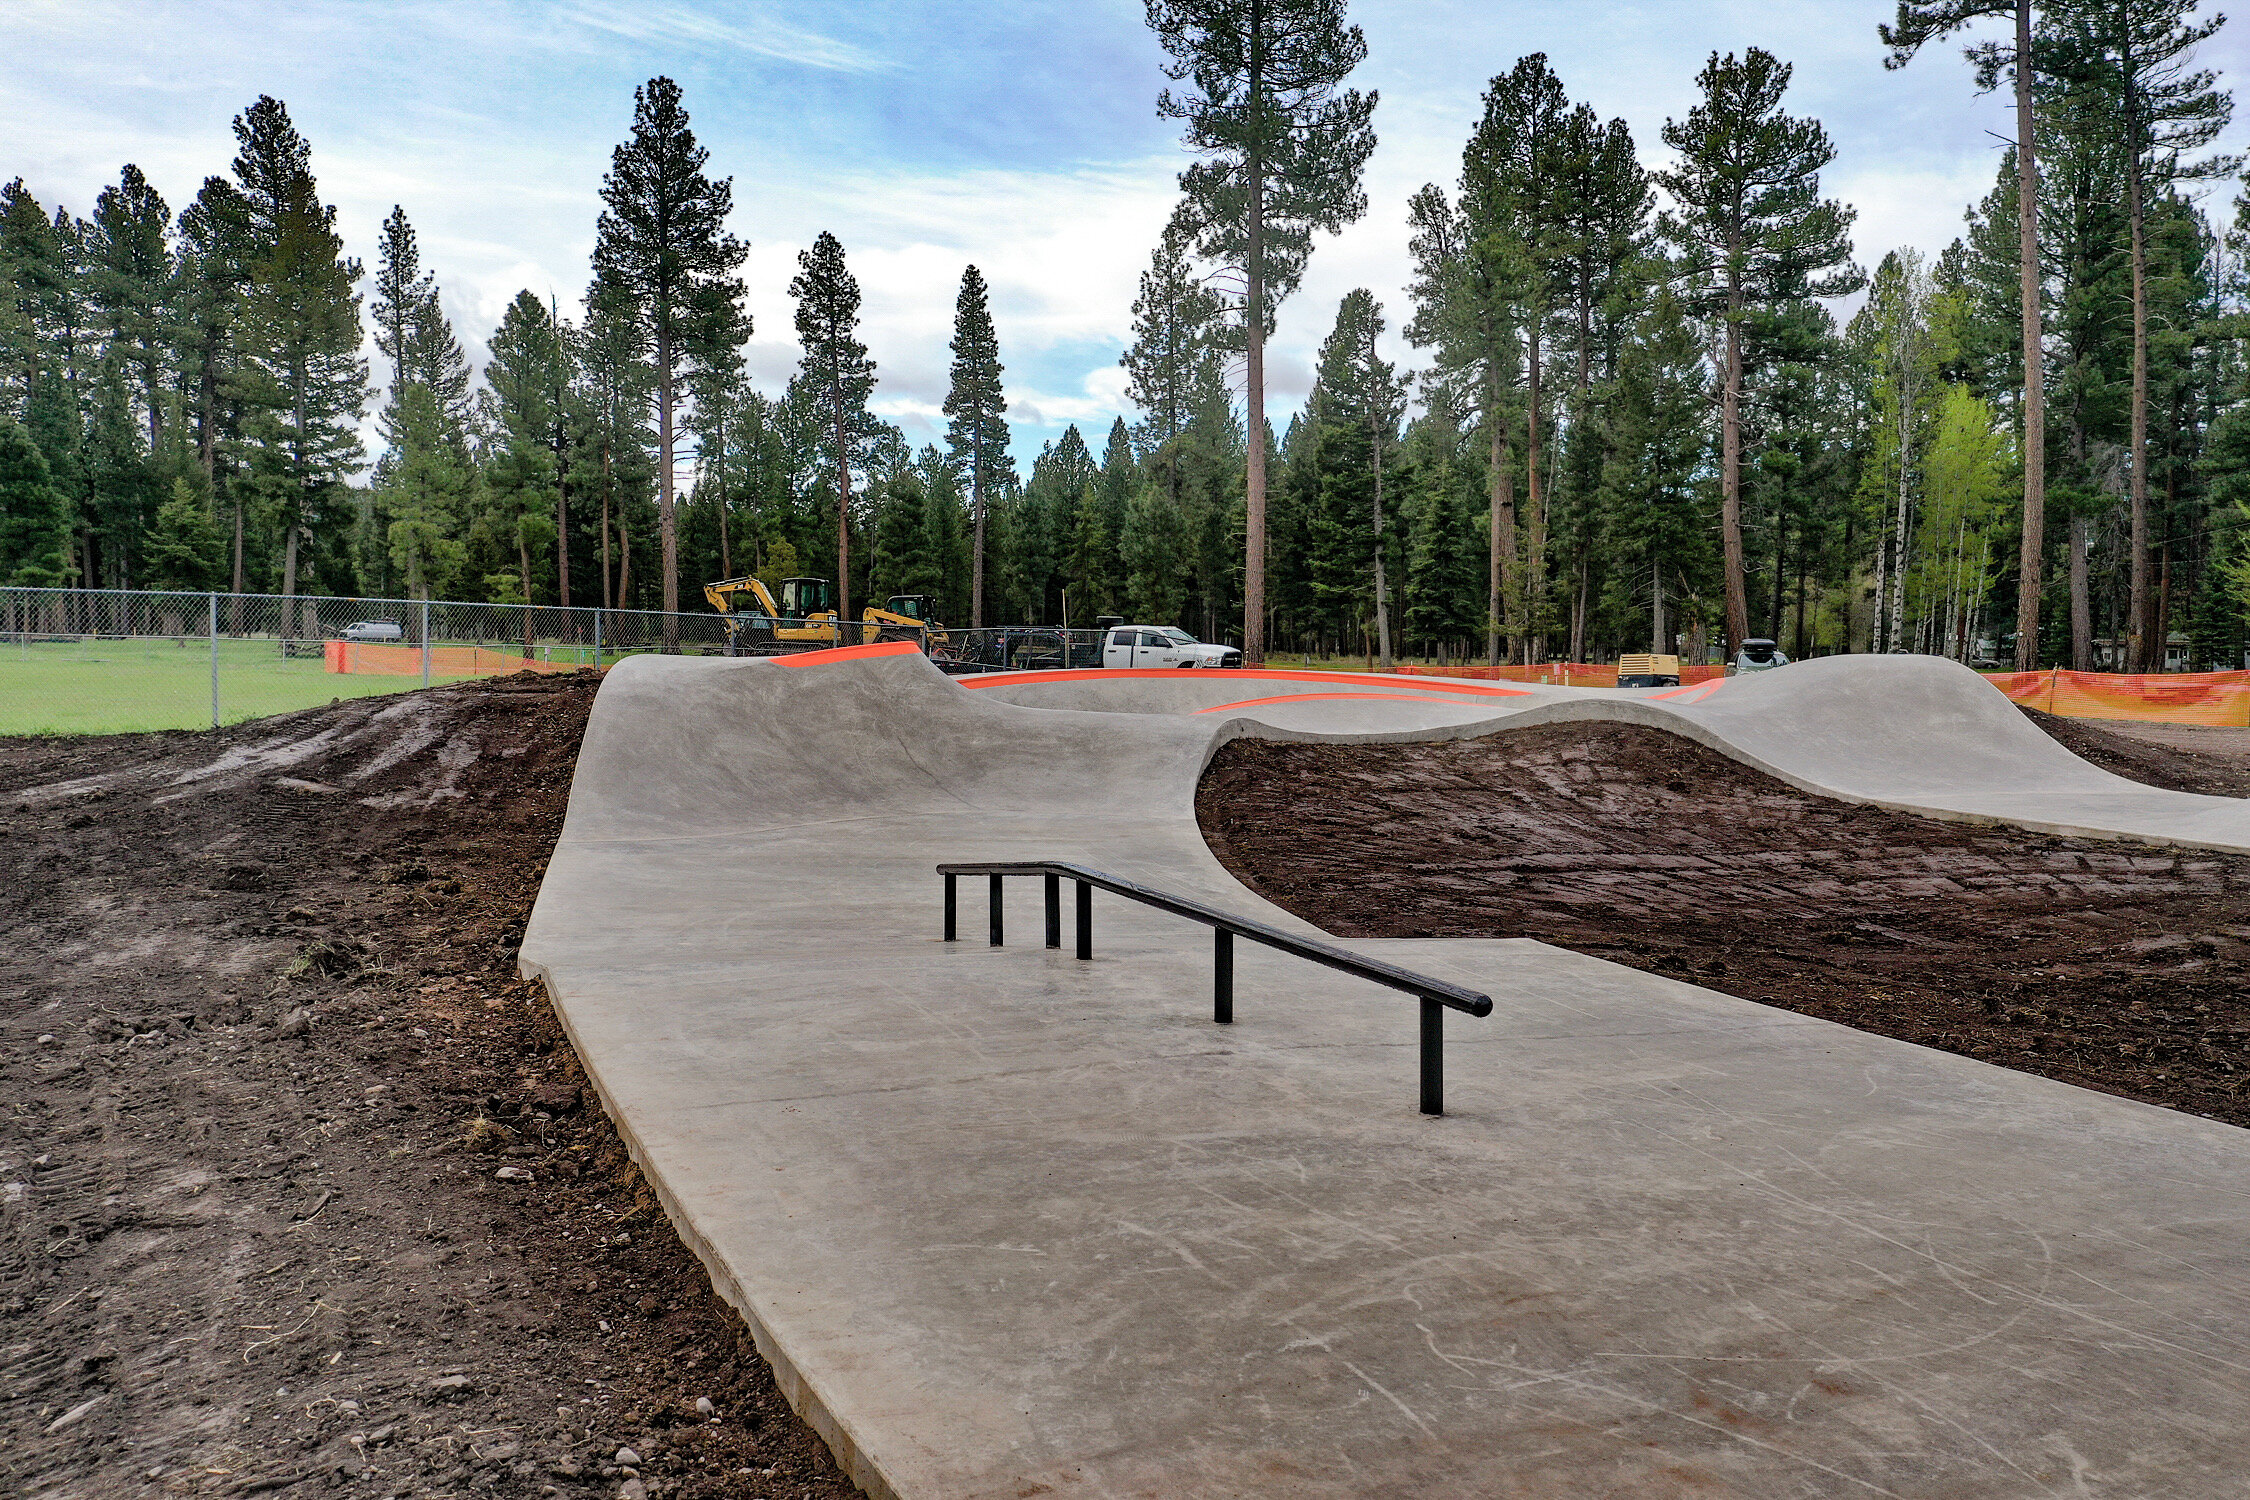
<point>597,640</point>
<point>214,661</point>
<point>425,643</point>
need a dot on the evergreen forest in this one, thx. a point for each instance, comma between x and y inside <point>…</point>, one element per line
<point>1633,416</point>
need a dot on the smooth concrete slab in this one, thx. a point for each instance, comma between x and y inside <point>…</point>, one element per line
<point>1010,1224</point>
<point>1916,733</point>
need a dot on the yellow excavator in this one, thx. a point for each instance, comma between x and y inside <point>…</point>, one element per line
<point>804,617</point>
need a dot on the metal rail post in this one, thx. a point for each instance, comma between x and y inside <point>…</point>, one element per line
<point>1054,911</point>
<point>1433,1057</point>
<point>1222,976</point>
<point>995,910</point>
<point>1085,919</point>
<point>425,643</point>
<point>949,906</point>
<point>214,661</point>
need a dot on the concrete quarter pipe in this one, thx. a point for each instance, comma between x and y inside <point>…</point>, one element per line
<point>1009,1224</point>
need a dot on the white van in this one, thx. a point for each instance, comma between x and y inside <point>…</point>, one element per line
<point>1163,646</point>
<point>371,630</point>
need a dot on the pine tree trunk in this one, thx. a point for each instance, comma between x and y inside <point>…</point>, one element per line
<point>1730,474</point>
<point>1656,605</point>
<point>2139,648</point>
<point>1254,307</point>
<point>624,565</point>
<point>1898,569</point>
<point>976,504</point>
<point>1780,578</point>
<point>2034,379</point>
<point>667,532</point>
<point>2081,597</point>
<point>1535,564</point>
<point>1382,597</point>
<point>1882,590</point>
<point>523,565</point>
<point>562,522</point>
<point>843,507</point>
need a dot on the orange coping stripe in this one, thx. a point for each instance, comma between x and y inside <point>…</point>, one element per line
<point>1695,693</point>
<point>1236,674</point>
<point>829,654</point>
<point>1303,697</point>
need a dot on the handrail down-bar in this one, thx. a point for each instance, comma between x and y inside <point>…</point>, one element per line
<point>1436,995</point>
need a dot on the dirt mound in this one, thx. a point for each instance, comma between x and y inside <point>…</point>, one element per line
<point>2113,965</point>
<point>2178,757</point>
<point>300,1188</point>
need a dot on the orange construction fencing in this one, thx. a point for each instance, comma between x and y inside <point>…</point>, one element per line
<point>445,661</point>
<point>2211,698</point>
<point>1556,674</point>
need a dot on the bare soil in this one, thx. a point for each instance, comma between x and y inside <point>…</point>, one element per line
<point>2116,966</point>
<point>2182,757</point>
<point>263,1060</point>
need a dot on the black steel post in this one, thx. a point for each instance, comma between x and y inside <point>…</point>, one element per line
<point>1085,920</point>
<point>1054,911</point>
<point>1433,1057</point>
<point>949,905</point>
<point>995,909</point>
<point>1222,975</point>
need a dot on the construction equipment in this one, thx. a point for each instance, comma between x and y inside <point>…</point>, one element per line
<point>1642,669</point>
<point>804,617</point>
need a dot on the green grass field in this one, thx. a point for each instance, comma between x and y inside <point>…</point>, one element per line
<point>129,686</point>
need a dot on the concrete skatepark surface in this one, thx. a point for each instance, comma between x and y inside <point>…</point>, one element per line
<point>1005,1221</point>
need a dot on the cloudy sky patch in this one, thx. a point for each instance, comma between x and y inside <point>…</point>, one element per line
<point>1022,138</point>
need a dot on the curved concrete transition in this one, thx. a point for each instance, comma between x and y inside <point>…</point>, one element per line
<point>1009,1224</point>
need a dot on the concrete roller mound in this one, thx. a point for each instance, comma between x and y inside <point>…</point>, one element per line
<point>1011,1224</point>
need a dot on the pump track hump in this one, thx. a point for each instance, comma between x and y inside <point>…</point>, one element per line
<point>1007,1223</point>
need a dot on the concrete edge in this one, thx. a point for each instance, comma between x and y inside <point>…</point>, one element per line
<point>1634,711</point>
<point>803,1398</point>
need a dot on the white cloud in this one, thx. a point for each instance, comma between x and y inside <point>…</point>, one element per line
<point>762,34</point>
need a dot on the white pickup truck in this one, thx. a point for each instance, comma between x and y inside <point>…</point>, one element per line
<point>1163,646</point>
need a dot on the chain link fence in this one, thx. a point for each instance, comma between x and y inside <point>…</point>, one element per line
<point>102,661</point>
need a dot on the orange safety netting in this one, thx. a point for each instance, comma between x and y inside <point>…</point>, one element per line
<point>1557,674</point>
<point>445,661</point>
<point>2211,698</point>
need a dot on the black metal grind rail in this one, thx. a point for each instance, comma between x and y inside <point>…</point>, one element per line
<point>1436,995</point>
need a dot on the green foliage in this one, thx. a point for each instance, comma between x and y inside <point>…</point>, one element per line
<point>184,549</point>
<point>34,514</point>
<point>427,491</point>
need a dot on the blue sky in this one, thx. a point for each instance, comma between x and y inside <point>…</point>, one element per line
<point>1022,137</point>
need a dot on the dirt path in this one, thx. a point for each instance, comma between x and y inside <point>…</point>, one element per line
<point>2111,965</point>
<point>262,1062</point>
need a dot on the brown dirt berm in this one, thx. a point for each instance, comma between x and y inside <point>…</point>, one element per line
<point>262,1057</point>
<point>2113,965</point>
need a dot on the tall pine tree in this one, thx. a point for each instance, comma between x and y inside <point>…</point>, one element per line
<point>977,435</point>
<point>1753,232</point>
<point>662,244</point>
<point>1283,146</point>
<point>837,377</point>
